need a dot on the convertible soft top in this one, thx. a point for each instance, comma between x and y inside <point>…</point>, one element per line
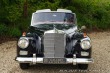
<point>58,10</point>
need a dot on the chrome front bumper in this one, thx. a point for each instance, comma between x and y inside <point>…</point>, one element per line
<point>35,60</point>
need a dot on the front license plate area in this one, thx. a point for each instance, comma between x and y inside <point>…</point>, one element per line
<point>54,60</point>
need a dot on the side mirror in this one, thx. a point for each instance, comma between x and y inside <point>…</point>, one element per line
<point>83,27</point>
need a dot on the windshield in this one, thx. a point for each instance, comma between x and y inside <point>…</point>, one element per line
<point>52,17</point>
<point>52,26</point>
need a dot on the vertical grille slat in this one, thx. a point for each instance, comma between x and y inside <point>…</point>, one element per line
<point>54,45</point>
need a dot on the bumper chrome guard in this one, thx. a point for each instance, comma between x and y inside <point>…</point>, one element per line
<point>74,60</point>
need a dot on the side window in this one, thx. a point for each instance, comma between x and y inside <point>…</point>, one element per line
<point>69,17</point>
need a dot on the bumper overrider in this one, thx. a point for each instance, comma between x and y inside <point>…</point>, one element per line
<point>35,60</point>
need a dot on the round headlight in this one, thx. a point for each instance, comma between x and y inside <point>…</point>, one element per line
<point>85,44</point>
<point>23,43</point>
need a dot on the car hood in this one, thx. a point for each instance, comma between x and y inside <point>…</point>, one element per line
<point>69,32</point>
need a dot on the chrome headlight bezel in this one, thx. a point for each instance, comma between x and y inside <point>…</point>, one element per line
<point>23,42</point>
<point>85,44</point>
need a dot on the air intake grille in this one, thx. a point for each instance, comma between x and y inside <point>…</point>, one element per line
<point>54,45</point>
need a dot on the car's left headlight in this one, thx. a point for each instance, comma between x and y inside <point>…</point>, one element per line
<point>23,43</point>
<point>85,44</point>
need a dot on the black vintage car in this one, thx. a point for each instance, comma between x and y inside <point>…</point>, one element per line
<point>53,38</point>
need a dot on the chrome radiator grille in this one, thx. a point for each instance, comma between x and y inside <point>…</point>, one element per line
<point>54,45</point>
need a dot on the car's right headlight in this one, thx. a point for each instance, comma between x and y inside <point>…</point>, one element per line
<point>23,43</point>
<point>85,44</point>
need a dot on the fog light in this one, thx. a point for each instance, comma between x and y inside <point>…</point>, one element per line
<point>84,53</point>
<point>23,52</point>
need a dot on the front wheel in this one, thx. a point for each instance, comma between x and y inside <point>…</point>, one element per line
<point>24,65</point>
<point>83,66</point>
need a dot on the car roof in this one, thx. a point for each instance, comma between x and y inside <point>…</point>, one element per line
<point>58,10</point>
